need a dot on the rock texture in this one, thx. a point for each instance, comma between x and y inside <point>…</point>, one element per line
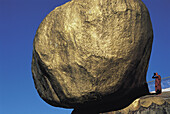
<point>93,52</point>
<point>150,104</point>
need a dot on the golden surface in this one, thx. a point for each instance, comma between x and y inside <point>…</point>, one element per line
<point>91,46</point>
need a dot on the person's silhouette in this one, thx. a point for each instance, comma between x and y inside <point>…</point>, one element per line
<point>157,78</point>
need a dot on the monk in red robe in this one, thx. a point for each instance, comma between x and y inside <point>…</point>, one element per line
<point>158,88</point>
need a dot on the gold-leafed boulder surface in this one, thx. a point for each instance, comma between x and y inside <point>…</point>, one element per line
<point>93,54</point>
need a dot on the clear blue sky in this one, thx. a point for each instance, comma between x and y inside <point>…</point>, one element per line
<point>19,20</point>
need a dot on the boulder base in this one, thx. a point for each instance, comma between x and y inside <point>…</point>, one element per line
<point>150,104</point>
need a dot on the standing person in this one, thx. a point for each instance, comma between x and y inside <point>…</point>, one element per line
<point>158,88</point>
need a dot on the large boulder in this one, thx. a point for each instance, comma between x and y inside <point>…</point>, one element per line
<point>93,52</point>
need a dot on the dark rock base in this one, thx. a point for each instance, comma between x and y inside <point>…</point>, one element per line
<point>150,104</point>
<point>127,99</point>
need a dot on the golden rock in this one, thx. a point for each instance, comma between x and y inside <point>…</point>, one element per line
<point>93,52</point>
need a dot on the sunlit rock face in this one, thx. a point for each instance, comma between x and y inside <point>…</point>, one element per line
<point>93,52</point>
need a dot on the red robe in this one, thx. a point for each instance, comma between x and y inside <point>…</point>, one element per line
<point>158,83</point>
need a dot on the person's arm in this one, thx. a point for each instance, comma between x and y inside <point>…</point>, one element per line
<point>154,76</point>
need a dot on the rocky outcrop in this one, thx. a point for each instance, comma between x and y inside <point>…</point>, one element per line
<point>150,104</point>
<point>89,53</point>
